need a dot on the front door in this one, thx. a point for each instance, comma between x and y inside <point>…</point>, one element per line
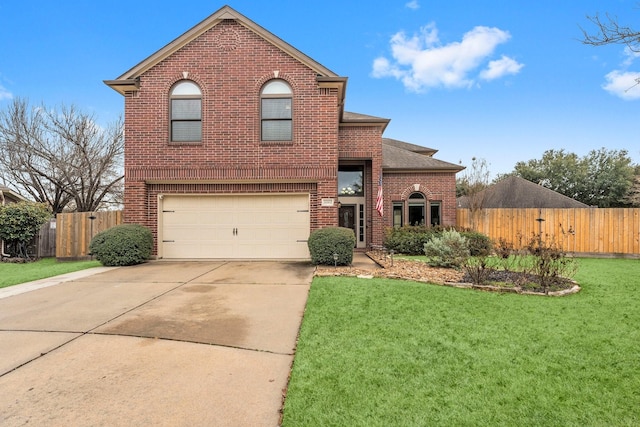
<point>347,218</point>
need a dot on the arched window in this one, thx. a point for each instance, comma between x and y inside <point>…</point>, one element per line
<point>275,111</point>
<point>186,112</point>
<point>416,209</point>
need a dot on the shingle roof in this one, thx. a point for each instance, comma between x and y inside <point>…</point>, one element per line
<point>399,159</point>
<point>517,192</point>
<point>410,147</point>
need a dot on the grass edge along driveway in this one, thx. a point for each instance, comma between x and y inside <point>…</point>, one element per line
<point>14,273</point>
<point>385,352</point>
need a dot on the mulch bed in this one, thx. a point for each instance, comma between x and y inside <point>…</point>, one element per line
<point>499,281</point>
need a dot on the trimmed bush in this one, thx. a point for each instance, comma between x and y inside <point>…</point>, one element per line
<point>410,240</point>
<point>478,243</point>
<point>126,244</point>
<point>325,242</point>
<point>448,250</point>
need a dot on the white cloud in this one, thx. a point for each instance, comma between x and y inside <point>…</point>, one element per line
<point>422,62</point>
<point>413,4</point>
<point>622,83</point>
<point>4,93</point>
<point>625,85</point>
<point>500,68</point>
<point>630,56</point>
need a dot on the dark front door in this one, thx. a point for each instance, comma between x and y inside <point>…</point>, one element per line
<point>347,217</point>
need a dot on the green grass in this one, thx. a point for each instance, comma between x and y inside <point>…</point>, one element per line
<point>383,352</point>
<point>13,274</point>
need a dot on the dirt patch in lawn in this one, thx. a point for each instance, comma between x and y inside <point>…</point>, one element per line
<point>418,271</point>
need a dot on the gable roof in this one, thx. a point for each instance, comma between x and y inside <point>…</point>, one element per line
<point>127,82</point>
<point>398,156</point>
<point>516,192</point>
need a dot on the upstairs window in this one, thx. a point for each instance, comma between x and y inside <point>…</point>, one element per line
<point>186,112</point>
<point>275,111</point>
<point>350,181</point>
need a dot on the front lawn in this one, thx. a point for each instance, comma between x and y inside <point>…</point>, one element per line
<point>384,352</point>
<point>13,274</point>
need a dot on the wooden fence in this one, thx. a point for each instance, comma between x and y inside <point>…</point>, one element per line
<point>46,240</point>
<point>74,232</point>
<point>588,231</point>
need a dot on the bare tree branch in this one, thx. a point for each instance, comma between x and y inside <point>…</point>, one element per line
<point>609,31</point>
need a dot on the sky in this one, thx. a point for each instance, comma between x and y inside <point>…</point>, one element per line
<point>501,81</point>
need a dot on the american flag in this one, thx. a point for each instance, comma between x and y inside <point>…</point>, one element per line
<point>379,199</point>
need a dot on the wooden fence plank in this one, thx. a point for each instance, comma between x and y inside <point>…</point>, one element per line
<point>612,231</point>
<point>75,231</point>
<point>46,241</point>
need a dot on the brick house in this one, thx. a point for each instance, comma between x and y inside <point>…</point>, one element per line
<point>238,146</point>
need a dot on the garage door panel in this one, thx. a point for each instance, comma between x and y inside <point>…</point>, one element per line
<point>239,226</point>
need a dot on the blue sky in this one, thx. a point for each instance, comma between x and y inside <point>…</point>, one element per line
<point>497,80</point>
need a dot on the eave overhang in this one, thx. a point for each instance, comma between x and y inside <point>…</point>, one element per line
<point>354,119</point>
<point>124,86</point>
<point>402,170</point>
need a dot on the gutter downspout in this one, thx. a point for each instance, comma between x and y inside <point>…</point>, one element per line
<point>2,254</point>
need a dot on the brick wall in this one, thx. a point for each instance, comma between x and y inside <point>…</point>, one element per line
<point>435,186</point>
<point>365,143</point>
<point>230,64</point>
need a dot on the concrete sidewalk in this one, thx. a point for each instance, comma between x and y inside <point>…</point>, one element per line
<point>51,281</point>
<point>162,343</point>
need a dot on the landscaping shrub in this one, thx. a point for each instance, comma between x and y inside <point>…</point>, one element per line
<point>20,223</point>
<point>126,244</point>
<point>478,243</point>
<point>448,250</point>
<point>410,240</point>
<point>325,242</point>
<point>477,269</point>
<point>504,248</point>
<point>550,262</point>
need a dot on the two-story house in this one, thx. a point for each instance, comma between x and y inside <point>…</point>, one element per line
<point>237,146</point>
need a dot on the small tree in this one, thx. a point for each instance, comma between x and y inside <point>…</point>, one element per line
<point>474,185</point>
<point>20,222</point>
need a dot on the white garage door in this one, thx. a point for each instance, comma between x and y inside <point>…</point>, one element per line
<point>235,227</point>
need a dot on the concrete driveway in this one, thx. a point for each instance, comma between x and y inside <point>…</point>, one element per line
<point>162,344</point>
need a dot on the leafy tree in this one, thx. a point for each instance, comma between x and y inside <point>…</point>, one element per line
<point>633,196</point>
<point>602,178</point>
<point>558,170</point>
<point>20,222</point>
<point>61,157</point>
<point>610,178</point>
